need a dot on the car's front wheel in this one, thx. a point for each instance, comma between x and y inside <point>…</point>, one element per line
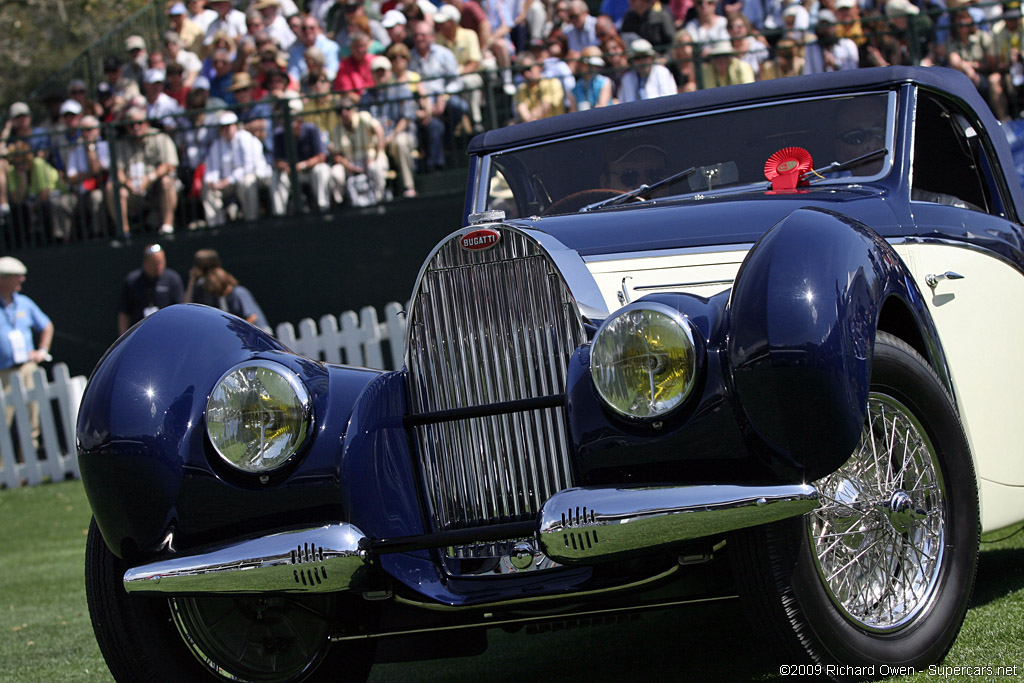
<point>882,571</point>
<point>270,639</point>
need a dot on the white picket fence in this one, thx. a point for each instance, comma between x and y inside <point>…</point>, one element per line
<point>58,401</point>
<point>351,338</point>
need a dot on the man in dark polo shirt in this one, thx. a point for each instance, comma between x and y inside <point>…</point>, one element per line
<point>148,289</point>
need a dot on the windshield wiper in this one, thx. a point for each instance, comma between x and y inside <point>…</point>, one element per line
<point>837,167</point>
<point>638,192</point>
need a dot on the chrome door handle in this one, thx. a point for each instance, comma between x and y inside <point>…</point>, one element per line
<point>932,279</point>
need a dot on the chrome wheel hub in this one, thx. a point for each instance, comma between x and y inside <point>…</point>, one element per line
<point>877,537</point>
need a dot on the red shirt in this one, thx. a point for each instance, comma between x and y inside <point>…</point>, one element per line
<point>472,16</point>
<point>354,76</point>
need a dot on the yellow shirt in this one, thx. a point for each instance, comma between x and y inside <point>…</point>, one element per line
<point>545,95</point>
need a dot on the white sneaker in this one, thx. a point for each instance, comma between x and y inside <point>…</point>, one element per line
<point>166,229</point>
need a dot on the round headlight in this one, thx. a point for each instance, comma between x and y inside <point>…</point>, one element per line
<point>643,360</point>
<point>258,416</point>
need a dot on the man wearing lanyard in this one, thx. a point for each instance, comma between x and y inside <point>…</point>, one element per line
<point>148,289</point>
<point>21,317</point>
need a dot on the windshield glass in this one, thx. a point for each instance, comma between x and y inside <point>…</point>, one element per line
<point>724,149</point>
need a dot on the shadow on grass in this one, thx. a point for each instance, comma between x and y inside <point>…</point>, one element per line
<point>1000,571</point>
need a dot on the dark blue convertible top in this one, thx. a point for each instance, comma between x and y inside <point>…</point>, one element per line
<point>938,78</point>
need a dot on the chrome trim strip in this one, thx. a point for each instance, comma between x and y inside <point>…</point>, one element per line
<point>676,285</point>
<point>540,618</point>
<point>317,560</point>
<point>585,525</point>
<point>654,253</point>
<point>533,599</point>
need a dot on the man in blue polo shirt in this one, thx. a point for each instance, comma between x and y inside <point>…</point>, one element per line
<point>19,352</point>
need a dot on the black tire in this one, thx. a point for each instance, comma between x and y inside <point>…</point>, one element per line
<point>163,640</point>
<point>793,575</point>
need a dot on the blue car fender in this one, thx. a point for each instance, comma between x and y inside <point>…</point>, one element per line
<point>803,315</point>
<point>153,479</point>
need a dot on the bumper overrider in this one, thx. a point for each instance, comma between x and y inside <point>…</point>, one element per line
<point>575,526</point>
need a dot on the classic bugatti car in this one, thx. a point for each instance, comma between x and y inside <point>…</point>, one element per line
<point>739,341</point>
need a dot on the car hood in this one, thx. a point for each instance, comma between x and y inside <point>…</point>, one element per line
<point>700,221</point>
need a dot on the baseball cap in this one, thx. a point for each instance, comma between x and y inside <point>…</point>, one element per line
<point>447,13</point>
<point>12,266</point>
<point>201,83</point>
<point>228,118</point>
<point>134,43</point>
<point>19,109</point>
<point>70,107</point>
<point>380,62</point>
<point>177,8</point>
<point>900,8</point>
<point>392,17</point>
<point>154,76</point>
<point>641,47</point>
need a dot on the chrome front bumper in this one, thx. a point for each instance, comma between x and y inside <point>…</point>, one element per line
<point>576,526</point>
<point>315,560</point>
<point>585,525</point>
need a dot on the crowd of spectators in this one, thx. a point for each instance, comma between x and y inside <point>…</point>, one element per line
<point>270,107</point>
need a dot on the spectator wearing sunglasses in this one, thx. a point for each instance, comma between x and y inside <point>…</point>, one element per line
<point>310,35</point>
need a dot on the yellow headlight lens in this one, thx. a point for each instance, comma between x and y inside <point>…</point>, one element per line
<point>258,416</point>
<point>643,360</point>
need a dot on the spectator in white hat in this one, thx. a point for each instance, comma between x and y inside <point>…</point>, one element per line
<point>160,106</point>
<point>235,168</point>
<point>645,79</point>
<point>274,22</point>
<point>593,89</point>
<point>466,46</point>
<point>848,18</point>
<point>723,67</point>
<point>138,58</point>
<point>26,334</point>
<point>66,134</point>
<point>395,23</point>
<point>392,104</point>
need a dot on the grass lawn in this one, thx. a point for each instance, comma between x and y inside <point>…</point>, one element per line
<point>47,636</point>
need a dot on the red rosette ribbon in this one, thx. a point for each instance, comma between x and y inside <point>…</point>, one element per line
<point>786,167</point>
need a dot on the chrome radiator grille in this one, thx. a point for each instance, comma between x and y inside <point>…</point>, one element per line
<point>491,327</point>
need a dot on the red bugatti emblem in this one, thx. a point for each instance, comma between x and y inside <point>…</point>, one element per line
<point>480,239</point>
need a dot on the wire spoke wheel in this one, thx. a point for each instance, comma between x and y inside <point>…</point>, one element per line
<point>255,638</point>
<point>881,572</point>
<point>877,538</point>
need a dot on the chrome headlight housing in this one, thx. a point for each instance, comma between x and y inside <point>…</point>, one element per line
<point>258,416</point>
<point>643,360</point>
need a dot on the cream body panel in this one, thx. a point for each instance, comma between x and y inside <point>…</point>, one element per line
<point>978,319</point>
<point>701,272</point>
